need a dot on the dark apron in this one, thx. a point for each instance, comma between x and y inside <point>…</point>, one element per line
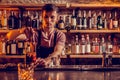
<point>41,51</point>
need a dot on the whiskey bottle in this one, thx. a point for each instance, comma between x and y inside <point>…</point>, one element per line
<point>61,23</point>
<point>115,20</point>
<point>4,20</point>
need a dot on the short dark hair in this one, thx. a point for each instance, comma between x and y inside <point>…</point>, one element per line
<point>50,7</point>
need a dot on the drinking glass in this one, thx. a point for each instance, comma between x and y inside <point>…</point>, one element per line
<point>25,73</point>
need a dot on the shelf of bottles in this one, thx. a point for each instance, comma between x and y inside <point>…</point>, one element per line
<point>95,19</point>
<point>88,56</point>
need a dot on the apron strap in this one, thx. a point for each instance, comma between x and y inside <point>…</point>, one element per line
<point>39,38</point>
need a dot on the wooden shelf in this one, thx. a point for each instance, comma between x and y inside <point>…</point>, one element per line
<point>85,4</point>
<point>4,31</point>
<point>92,31</point>
<point>87,56</point>
<point>12,56</point>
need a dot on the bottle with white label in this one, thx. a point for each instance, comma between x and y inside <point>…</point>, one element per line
<point>83,45</point>
<point>115,20</point>
<point>20,47</point>
<point>88,44</point>
<point>13,48</point>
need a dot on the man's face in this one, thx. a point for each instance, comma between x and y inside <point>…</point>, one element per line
<point>49,19</point>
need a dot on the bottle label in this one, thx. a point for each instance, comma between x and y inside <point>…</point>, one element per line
<point>13,48</point>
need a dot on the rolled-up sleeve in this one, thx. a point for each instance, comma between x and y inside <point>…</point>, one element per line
<point>61,39</point>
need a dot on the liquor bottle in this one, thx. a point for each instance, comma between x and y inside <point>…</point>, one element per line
<point>67,23</point>
<point>0,19</point>
<point>89,20</point>
<point>88,44</point>
<point>105,21</point>
<point>61,23</point>
<point>28,20</point>
<point>109,45</point>
<point>83,44</point>
<point>99,21</point>
<point>35,21</point>
<point>8,47</point>
<point>95,46</point>
<point>4,20</point>
<point>20,47</point>
<point>110,22</point>
<point>84,20</point>
<point>115,46</point>
<point>13,47</point>
<point>79,20</point>
<point>75,46</point>
<point>73,21</point>
<point>94,21</point>
<point>11,20</point>
<point>19,20</point>
<point>102,45</point>
<point>115,20</point>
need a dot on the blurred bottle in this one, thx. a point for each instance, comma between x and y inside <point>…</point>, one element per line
<point>102,45</point>
<point>94,21</point>
<point>4,20</point>
<point>88,44</point>
<point>109,45</point>
<point>115,20</point>
<point>13,47</point>
<point>61,23</point>
<point>12,21</point>
<point>84,20</point>
<point>110,21</point>
<point>89,20</point>
<point>83,44</point>
<point>115,46</point>
<point>95,46</point>
<point>20,47</point>
<point>8,47</point>
<point>105,21</point>
<point>75,45</point>
<point>35,21</point>
<point>0,19</point>
<point>99,21</point>
<point>73,21</point>
<point>79,20</point>
<point>28,20</point>
<point>19,20</point>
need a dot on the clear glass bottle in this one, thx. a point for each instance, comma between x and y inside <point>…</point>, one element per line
<point>83,44</point>
<point>88,44</point>
<point>102,45</point>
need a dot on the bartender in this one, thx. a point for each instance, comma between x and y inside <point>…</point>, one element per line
<point>48,41</point>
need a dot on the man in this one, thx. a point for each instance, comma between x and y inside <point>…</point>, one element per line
<point>49,42</point>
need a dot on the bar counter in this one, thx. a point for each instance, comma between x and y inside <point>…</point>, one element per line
<point>68,72</point>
